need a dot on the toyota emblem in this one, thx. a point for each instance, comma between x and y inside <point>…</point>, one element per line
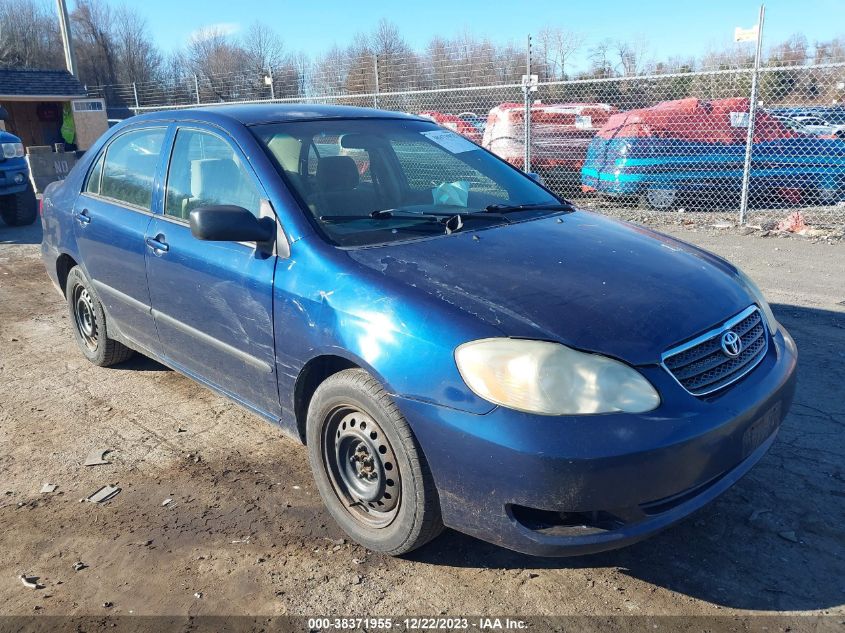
<point>731,343</point>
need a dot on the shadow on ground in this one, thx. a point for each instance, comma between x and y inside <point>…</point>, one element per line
<point>21,234</point>
<point>776,541</point>
<point>139,362</point>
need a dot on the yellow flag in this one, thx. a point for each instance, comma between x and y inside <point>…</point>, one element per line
<point>746,35</point>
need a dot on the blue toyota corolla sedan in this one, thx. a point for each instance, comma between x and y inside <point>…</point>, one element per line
<point>455,345</point>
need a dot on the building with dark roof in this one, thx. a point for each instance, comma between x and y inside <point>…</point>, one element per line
<point>36,101</point>
<point>39,84</point>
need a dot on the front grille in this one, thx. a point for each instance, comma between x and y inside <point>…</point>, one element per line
<point>702,367</point>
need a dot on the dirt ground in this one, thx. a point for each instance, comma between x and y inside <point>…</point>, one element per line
<point>246,533</point>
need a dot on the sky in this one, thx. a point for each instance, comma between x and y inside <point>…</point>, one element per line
<point>670,28</point>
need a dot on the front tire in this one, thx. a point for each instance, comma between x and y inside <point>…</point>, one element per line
<point>89,322</point>
<point>19,209</point>
<point>368,467</point>
<point>660,198</point>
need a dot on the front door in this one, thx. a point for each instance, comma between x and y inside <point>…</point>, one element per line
<point>212,301</point>
<point>110,220</point>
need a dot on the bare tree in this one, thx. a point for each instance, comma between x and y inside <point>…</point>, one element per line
<point>29,36</point>
<point>631,55</point>
<point>557,46</point>
<point>92,30</point>
<point>330,72</point>
<point>139,59</point>
<point>263,47</point>
<point>793,51</point>
<point>397,64</point>
<point>600,59</point>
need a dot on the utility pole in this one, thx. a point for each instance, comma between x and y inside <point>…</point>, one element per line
<point>752,113</point>
<point>269,81</point>
<point>528,86</point>
<point>64,27</point>
<point>375,74</point>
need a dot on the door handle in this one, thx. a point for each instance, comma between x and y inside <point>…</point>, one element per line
<point>157,243</point>
<point>83,218</point>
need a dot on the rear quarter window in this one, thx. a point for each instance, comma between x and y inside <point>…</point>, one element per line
<point>130,167</point>
<point>92,185</point>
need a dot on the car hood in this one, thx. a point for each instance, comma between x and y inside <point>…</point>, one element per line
<point>582,279</point>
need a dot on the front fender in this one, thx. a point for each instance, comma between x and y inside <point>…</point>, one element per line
<point>327,304</point>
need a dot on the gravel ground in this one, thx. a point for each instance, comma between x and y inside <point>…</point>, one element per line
<point>245,532</point>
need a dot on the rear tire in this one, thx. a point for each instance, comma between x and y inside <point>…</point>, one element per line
<point>89,322</point>
<point>19,209</point>
<point>368,467</point>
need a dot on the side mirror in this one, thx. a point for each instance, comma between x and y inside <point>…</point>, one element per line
<point>535,177</point>
<point>4,114</point>
<point>229,223</point>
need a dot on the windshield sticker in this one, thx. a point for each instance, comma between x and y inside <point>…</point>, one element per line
<point>451,142</point>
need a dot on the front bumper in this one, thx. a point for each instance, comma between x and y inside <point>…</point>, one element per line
<point>13,170</point>
<point>561,486</point>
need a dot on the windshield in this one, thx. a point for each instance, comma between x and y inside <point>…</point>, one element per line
<point>370,181</point>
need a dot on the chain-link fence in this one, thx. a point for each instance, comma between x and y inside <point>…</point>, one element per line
<point>639,145</point>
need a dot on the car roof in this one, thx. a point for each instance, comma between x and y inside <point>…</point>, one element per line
<point>257,113</point>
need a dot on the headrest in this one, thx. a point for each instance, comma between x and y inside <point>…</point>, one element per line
<point>337,173</point>
<point>213,175</point>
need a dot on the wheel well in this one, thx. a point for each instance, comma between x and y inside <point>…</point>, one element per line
<point>63,265</point>
<point>315,372</point>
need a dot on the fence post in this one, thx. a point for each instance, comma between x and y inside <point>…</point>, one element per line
<point>272,82</point>
<point>752,113</point>
<point>375,71</point>
<point>526,89</point>
<point>135,92</point>
<point>197,87</point>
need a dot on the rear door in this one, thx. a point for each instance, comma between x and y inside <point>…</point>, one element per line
<point>213,301</point>
<point>110,220</point>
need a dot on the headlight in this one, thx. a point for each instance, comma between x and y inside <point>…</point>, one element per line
<point>552,379</point>
<point>759,299</point>
<point>12,150</point>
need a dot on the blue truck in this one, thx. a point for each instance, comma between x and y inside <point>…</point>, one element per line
<point>18,205</point>
<point>696,149</point>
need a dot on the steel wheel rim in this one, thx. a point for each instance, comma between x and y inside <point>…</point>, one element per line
<point>85,317</point>
<point>361,466</point>
<point>661,198</point>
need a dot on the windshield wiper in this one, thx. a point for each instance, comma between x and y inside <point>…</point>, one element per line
<point>396,213</point>
<point>535,206</point>
<point>382,214</point>
<point>451,221</point>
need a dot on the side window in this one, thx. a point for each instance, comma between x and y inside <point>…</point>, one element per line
<point>205,171</point>
<point>93,184</point>
<point>130,167</point>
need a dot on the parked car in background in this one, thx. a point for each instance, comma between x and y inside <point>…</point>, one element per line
<point>814,124</point>
<point>18,205</point>
<point>689,149</point>
<point>477,120</point>
<point>560,135</point>
<point>418,330</point>
<point>454,123</point>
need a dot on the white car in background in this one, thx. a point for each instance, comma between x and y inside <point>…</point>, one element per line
<point>814,124</point>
